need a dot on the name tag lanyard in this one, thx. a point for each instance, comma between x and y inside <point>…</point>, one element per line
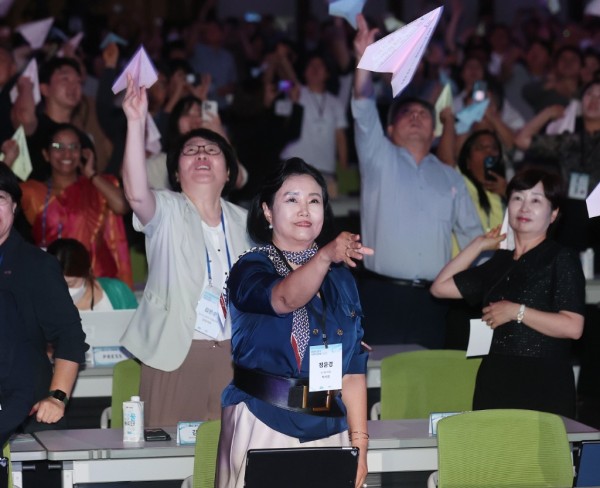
<point>208,268</point>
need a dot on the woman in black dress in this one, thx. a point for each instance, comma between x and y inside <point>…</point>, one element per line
<point>533,298</point>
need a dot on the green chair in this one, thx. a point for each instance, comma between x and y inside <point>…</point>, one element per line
<point>205,457</point>
<point>6,454</point>
<point>415,384</point>
<point>125,384</point>
<point>503,448</point>
<point>119,294</point>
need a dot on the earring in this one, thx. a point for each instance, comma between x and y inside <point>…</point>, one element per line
<point>270,226</point>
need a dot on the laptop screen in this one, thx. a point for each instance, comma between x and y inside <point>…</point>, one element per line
<point>588,469</point>
<point>317,467</point>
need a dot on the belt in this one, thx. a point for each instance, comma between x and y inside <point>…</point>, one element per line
<point>416,283</point>
<point>288,393</point>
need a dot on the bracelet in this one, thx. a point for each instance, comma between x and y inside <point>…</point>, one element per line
<point>521,313</point>
<point>363,434</point>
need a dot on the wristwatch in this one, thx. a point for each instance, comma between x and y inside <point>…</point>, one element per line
<point>59,395</point>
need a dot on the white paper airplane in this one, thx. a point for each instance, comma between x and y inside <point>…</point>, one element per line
<point>35,33</point>
<point>153,145</point>
<point>443,101</point>
<point>141,69</point>
<point>348,9</point>
<point>567,122</point>
<point>593,8</point>
<point>31,72</point>
<point>22,165</point>
<point>400,52</point>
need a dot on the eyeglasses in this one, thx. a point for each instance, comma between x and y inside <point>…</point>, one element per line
<point>60,146</point>
<point>193,149</point>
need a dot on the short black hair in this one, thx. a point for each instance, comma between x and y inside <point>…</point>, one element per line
<point>73,257</point>
<point>258,227</point>
<point>531,176</point>
<point>226,148</point>
<point>54,64</point>
<point>10,184</point>
<point>400,103</point>
<point>567,48</point>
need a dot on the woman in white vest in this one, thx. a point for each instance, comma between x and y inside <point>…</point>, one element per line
<point>193,237</point>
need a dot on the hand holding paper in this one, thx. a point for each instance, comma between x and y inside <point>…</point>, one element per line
<point>566,123</point>
<point>31,73</point>
<point>401,51</point>
<point>348,9</point>
<point>16,154</point>
<point>443,101</point>
<point>141,70</point>
<point>469,115</point>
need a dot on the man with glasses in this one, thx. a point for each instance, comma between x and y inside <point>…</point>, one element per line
<point>411,203</point>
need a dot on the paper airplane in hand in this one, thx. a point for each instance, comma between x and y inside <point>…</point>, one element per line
<point>21,167</point>
<point>348,9</point>
<point>567,122</point>
<point>31,72</point>
<point>592,8</point>
<point>469,115</point>
<point>443,101</point>
<point>141,70</point>
<point>110,38</point>
<point>593,202</point>
<point>400,52</point>
<point>153,145</point>
<point>35,33</point>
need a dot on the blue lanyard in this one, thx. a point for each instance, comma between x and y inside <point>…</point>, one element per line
<point>45,216</point>
<point>226,250</point>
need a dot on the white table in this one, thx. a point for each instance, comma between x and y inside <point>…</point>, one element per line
<point>99,455</point>
<point>23,448</point>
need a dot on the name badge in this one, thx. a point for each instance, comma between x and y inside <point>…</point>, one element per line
<point>284,108</point>
<point>208,319</point>
<point>578,186</point>
<point>325,368</point>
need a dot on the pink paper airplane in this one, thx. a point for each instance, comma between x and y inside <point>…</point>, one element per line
<point>35,33</point>
<point>141,70</point>
<point>153,145</point>
<point>31,72</point>
<point>400,52</point>
<point>73,42</point>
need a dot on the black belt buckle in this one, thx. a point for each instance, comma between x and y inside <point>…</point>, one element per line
<point>299,398</point>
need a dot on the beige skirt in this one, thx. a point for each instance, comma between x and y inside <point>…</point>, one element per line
<point>192,391</point>
<point>241,431</point>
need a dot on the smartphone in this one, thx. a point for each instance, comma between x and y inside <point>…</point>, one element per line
<point>492,164</point>
<point>284,86</point>
<point>479,91</point>
<point>210,108</point>
<point>156,435</point>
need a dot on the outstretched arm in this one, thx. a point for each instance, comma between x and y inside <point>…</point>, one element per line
<point>363,83</point>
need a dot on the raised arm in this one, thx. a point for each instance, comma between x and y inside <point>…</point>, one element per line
<point>444,286</point>
<point>531,128</point>
<point>363,82</point>
<point>135,178</point>
<point>298,288</point>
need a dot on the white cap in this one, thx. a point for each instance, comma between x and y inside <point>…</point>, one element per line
<point>135,398</point>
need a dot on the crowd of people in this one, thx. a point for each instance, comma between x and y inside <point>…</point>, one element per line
<point>248,279</point>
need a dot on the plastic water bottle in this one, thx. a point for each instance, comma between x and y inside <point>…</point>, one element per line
<point>133,420</point>
<point>587,263</point>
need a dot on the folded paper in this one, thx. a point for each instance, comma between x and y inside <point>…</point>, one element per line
<point>35,33</point>
<point>469,115</point>
<point>73,43</point>
<point>509,242</point>
<point>593,202</point>
<point>567,122</point>
<point>153,145</point>
<point>140,68</point>
<point>21,167</point>
<point>31,72</point>
<point>443,101</point>
<point>110,38</point>
<point>401,51</point>
<point>348,9</point>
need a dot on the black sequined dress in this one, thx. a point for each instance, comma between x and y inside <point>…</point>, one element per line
<point>527,369</point>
